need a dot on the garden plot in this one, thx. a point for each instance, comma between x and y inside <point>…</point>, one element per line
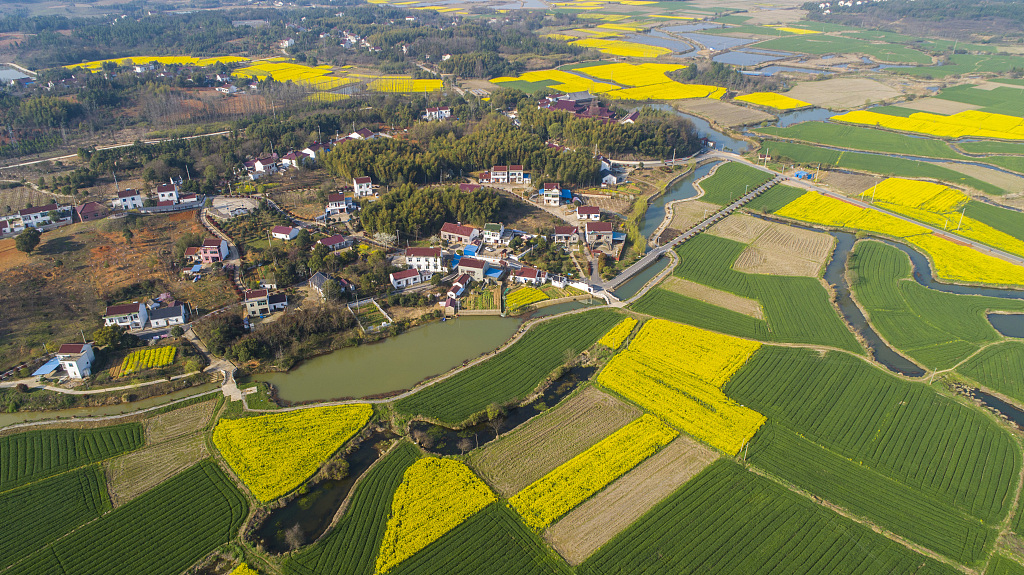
<point>739,304</point>
<point>776,249</point>
<point>133,474</point>
<point>542,444</point>
<point>178,422</point>
<point>842,92</point>
<point>586,528</point>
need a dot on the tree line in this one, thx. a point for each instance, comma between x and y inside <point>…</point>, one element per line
<point>420,212</point>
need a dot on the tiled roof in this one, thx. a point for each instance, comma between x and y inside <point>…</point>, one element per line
<point>405,274</point>
<point>286,230</point>
<point>37,210</point>
<point>471,263</point>
<point>450,228</point>
<point>128,193</point>
<point>599,227</point>
<point>364,180</point>
<point>336,197</point>
<point>122,309</point>
<point>70,348</point>
<point>255,293</point>
<point>423,252</point>
<point>212,243</point>
<point>565,230</point>
<point>588,210</point>
<point>333,240</point>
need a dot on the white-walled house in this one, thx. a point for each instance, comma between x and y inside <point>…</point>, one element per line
<point>35,217</point>
<point>260,302</point>
<point>427,260</point>
<point>167,316</point>
<point>338,204</point>
<point>314,151</point>
<point>286,233</point>
<point>515,174</point>
<point>592,213</point>
<point>529,275</point>
<point>363,186</point>
<point>76,359</point>
<point>127,200</point>
<point>336,242</point>
<point>167,193</point>
<point>474,268</point>
<point>438,113</point>
<point>406,278</point>
<point>130,316</point>
<point>493,232</point>
<point>458,233</point>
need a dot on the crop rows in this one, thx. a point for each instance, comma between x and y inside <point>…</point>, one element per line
<point>901,429</point>
<point>731,181</point>
<point>162,532</point>
<point>147,359</point>
<point>618,334</point>
<point>1001,565</point>
<point>275,453</point>
<point>35,515</point>
<point>772,100</point>
<point>797,309</point>
<point>33,455</point>
<point>524,296</point>
<point>863,491</point>
<point>937,329</point>
<point>968,124</point>
<point>1000,368</point>
<point>351,546</point>
<point>513,373</point>
<point>492,542</point>
<point>670,305</point>
<point>699,528</point>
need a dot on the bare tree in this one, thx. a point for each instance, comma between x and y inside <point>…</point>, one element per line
<point>293,537</point>
<point>465,445</point>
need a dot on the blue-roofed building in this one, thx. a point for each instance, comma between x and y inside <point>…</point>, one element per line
<point>197,268</point>
<point>47,368</point>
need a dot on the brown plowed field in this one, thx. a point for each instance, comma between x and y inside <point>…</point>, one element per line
<point>178,422</point>
<point>776,249</point>
<point>714,296</point>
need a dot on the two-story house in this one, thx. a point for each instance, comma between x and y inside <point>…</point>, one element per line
<point>212,250</point>
<point>167,316</point>
<point>438,113</point>
<point>76,359</point>
<point>127,200</point>
<point>129,316</point>
<point>552,194</point>
<point>474,268</point>
<point>458,233</point>
<point>427,260</point>
<point>167,193</point>
<point>363,186</point>
<point>598,233</point>
<point>257,302</point>
<point>339,204</point>
<point>499,174</point>
<point>592,213</point>
<point>515,174</point>
<point>566,234</point>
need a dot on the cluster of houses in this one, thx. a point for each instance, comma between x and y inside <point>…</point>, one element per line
<point>138,315</point>
<point>167,195</point>
<point>272,163</point>
<point>35,217</point>
<point>506,175</point>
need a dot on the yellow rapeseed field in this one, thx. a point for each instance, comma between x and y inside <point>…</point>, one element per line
<point>435,496</point>
<point>618,334</point>
<point>573,482</point>
<point>147,359</point>
<point>971,123</point>
<point>243,569</point>
<point>273,454</point>
<point>646,81</point>
<point>524,296</point>
<point>772,100</point>
<point>952,261</point>
<point>792,30</point>
<point>564,81</point>
<point>623,48</point>
<point>317,77</point>
<point>404,85</point>
<point>164,60</point>
<point>677,371</point>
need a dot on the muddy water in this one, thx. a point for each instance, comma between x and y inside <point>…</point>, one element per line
<point>680,190</point>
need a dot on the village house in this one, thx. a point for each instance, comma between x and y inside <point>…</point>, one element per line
<point>631,117</point>
<point>36,217</point>
<point>458,233</point>
<point>76,359</point>
<point>293,159</point>
<point>493,232</point>
<point>317,282</point>
<point>438,113</point>
<point>428,260</point>
<point>515,174</point>
<point>338,204</point>
<point>363,134</point>
<point>363,186</point>
<point>609,178</point>
<point>188,199</point>
<point>127,200</point>
<point>167,193</point>
<point>555,195</point>
<point>89,211</point>
<point>598,233</point>
<point>257,302</point>
<point>315,150</point>
<point>499,175</point>
<point>459,286</point>
<point>474,268</point>
<point>566,234</point>
<point>406,278</point>
<point>529,275</point>
<point>212,250</point>
<point>167,316</point>
<point>336,242</point>
<point>592,213</point>
<point>130,316</point>
<point>227,89</point>
<point>266,164</point>
<point>285,233</point>
<point>277,302</point>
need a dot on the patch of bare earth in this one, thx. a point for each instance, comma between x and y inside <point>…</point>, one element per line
<point>937,106</point>
<point>714,296</point>
<point>776,249</point>
<point>586,528</point>
<point>724,113</point>
<point>545,442</point>
<point>995,177</point>
<point>615,203</point>
<point>131,475</point>
<point>851,184</point>
<point>842,93</point>
<point>687,214</point>
<point>178,422</point>
<point>741,228</point>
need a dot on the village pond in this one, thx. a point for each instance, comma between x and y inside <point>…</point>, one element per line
<point>396,363</point>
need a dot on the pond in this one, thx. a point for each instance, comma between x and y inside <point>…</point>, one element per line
<point>564,307</point>
<point>674,44</point>
<point>772,70</point>
<point>716,43</point>
<point>1008,324</point>
<point>739,58</point>
<point>106,410</point>
<point>810,115</point>
<point>396,363</point>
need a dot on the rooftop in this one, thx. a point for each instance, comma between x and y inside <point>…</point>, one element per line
<point>122,309</point>
<point>405,274</point>
<point>423,252</point>
<point>255,293</point>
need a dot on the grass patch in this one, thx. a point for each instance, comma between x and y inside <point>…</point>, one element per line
<point>731,181</point>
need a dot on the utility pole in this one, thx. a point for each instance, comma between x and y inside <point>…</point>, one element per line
<point>873,191</point>
<point>961,218</point>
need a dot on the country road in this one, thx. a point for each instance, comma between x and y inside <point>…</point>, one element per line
<point>114,146</point>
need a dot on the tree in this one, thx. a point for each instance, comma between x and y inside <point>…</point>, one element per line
<point>27,240</point>
<point>128,235</point>
<point>495,417</point>
<point>332,291</point>
<point>177,331</point>
<point>108,336</point>
<point>303,240</point>
<point>465,445</point>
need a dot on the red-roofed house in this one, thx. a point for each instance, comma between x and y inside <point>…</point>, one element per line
<point>528,275</point>
<point>406,278</point>
<point>164,204</point>
<point>191,254</point>
<point>363,134</point>
<point>167,193</point>
<point>566,234</point>
<point>499,174</point>
<point>363,186</point>
<point>293,159</point>
<point>336,242</point>
<point>598,232</point>
<point>458,233</point>
<point>425,259</point>
<point>473,267</point>
<point>76,359</point>
<point>515,174</point>
<point>90,211</point>
<point>459,286</point>
<point>592,213</point>
<point>285,233</point>
<point>212,250</point>
<point>257,302</point>
<point>131,316</point>
<point>127,200</point>
<point>338,204</point>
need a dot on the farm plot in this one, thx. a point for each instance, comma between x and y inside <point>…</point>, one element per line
<point>772,100</point>
<point>135,473</point>
<point>785,533</point>
<point>729,301</point>
<point>145,359</point>
<point>33,455</point>
<point>21,197</point>
<point>1002,565</point>
<point>618,334</point>
<point>351,545</point>
<point>275,453</point>
<point>820,44</point>
<point>724,113</point>
<point>512,374</point>
<point>178,422</point>
<point>588,527</point>
<point>677,372</point>
<point>162,532</point>
<point>687,214</point>
<point>539,446</point>
<point>901,429</point>
<point>730,181</point>
<point>774,248</point>
<point>573,482</point>
<point>798,309</point>
<point>999,368</point>
<point>38,514</point>
<point>492,542</point>
<point>522,297</point>
<point>936,329</point>
<point>663,302</point>
<point>968,124</point>
<point>864,138</point>
<point>905,511</point>
<point>840,93</point>
<point>774,198</point>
